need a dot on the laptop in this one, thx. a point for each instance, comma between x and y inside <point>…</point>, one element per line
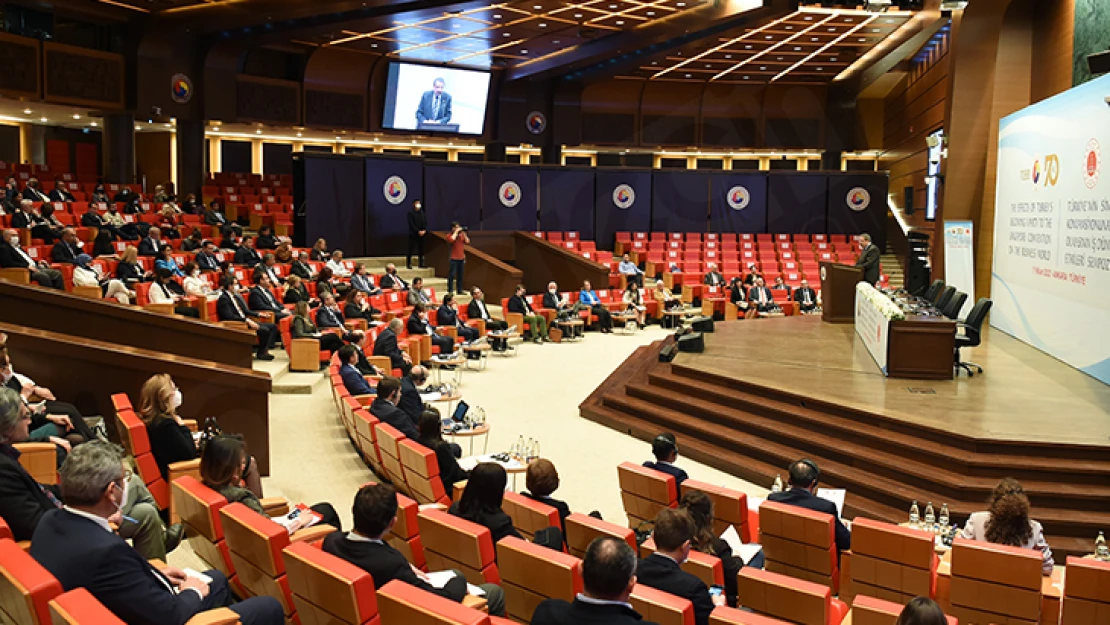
<point>458,416</point>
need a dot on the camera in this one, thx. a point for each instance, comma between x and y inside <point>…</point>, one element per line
<point>464,228</point>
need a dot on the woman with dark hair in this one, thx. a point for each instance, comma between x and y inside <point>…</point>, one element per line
<point>319,251</point>
<point>166,261</point>
<point>194,241</point>
<point>357,306</point>
<point>323,283</point>
<point>921,611</point>
<point>430,426</point>
<point>103,246</point>
<point>303,328</point>
<point>634,303</point>
<point>222,466</point>
<point>1007,522</point>
<point>284,252</point>
<point>699,507</point>
<point>161,292</point>
<point>481,501</point>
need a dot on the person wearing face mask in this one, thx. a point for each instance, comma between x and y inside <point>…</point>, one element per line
<point>34,192</point>
<point>161,293</point>
<point>87,274</point>
<point>673,533</point>
<point>12,255</point>
<point>231,307</point>
<point>552,300</point>
<point>418,227</point>
<point>195,285</point>
<point>99,196</point>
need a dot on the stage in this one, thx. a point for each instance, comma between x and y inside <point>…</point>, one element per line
<point>768,391</point>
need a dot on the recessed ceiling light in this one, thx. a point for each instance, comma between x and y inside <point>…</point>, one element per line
<point>577,16</point>
<point>796,48</point>
<point>137,127</point>
<point>655,62</point>
<point>373,45</point>
<point>778,58</point>
<point>167,125</point>
<point>496,16</point>
<point>26,111</point>
<point>556,42</point>
<point>862,39</point>
<point>708,65</point>
<point>680,4</point>
<point>769,37</point>
<point>809,18</point>
<point>259,131</point>
<point>216,129</point>
<point>42,119</point>
<point>688,75</point>
<point>833,59</point>
<point>299,134</point>
<point>337,138</point>
<point>820,69</point>
<point>650,13</point>
<point>619,22</point>
<point>93,124</point>
<point>524,52</point>
<point>76,116</point>
<point>814,39</point>
<point>747,77</point>
<point>748,47</point>
<point>543,25</point>
<point>728,56</point>
<point>832,30</point>
<point>789,27</point>
<point>507,35</point>
<point>414,141</point>
<point>537,7</point>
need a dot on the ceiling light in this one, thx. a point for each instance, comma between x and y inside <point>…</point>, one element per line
<point>769,37</point>
<point>375,139</point>
<point>833,59</point>
<point>337,137</point>
<point>797,48</point>
<point>373,45</point>
<point>612,6</point>
<point>543,25</point>
<point>26,111</point>
<point>577,16</point>
<point>556,42</point>
<point>748,47</point>
<point>809,18</point>
<point>747,77</point>
<point>524,52</point>
<point>832,30</point>
<point>728,56</point>
<point>655,62</point>
<point>76,116</point>
<point>537,7</point>
<point>496,16</point>
<point>93,124</point>
<point>762,68</point>
<point>688,76</point>
<point>507,35</point>
<point>299,134</point>
<point>619,22</point>
<point>215,130</point>
<point>258,131</point>
<point>414,141</point>
<point>708,65</point>
<point>42,119</point>
<point>680,4</point>
<point>820,69</point>
<point>167,125</point>
<point>789,28</point>
<point>137,127</point>
<point>778,58</point>
<point>650,13</point>
<point>862,39</point>
<point>876,30</point>
<point>814,39</point>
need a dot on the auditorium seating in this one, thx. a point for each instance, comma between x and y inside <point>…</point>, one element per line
<point>402,603</point>
<point>707,568</point>
<point>731,616</point>
<point>1086,592</point>
<point>645,492</point>
<point>730,507</point>
<point>405,535</point>
<point>531,573</point>
<point>582,529</point>
<point>891,562</point>
<point>995,583</point>
<point>660,607</point>
<point>389,439</point>
<point>529,516</point>
<point>871,611</point>
<point>422,473</point>
<point>365,423</point>
<point>327,589</point>
<point>799,542</point>
<point>40,460</point>
<point>199,508</point>
<point>451,542</point>
<point>788,598</point>
<point>26,587</point>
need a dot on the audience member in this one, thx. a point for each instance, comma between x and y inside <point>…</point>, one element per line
<point>12,255</point>
<point>375,513</point>
<point>33,191</point>
<point>328,315</point>
<point>418,325</point>
<point>324,285</point>
<point>410,402</point>
<point>417,295</point>
<point>780,285</point>
<point>161,293</point>
<point>608,577</point>
<point>128,268</point>
<point>921,611</point>
<point>632,274</point>
<point>319,252</point>
<point>195,285</point>
<point>804,477</point>
<point>99,196</point>
<point>448,315</point>
<point>160,194</point>
<point>481,501</point>
<point>41,220</point>
<point>384,407</point>
<point>1007,522</point>
<point>392,280</point>
<point>166,261</point>
<point>673,534</point>
<point>246,254</point>
<point>665,449</point>
<point>753,273</point>
<point>588,297</point>
<point>760,297</point>
<point>206,257</point>
<point>666,300</point>
<point>66,250</point>
<point>712,276</point>
<point>634,304</point>
<point>357,306</point>
<point>52,421</point>
<point>418,227</point>
<point>296,291</point>
<point>267,268</point>
<point>362,281</point>
<point>430,426</point>
<point>151,244</point>
<point>541,480</point>
<point>214,216</point>
<point>353,379</point>
<point>262,298</point>
<point>168,221</point>
<point>87,274</point>
<point>92,219</point>
<point>60,193</point>
<point>124,195</point>
<point>231,307</point>
<point>266,239</point>
<point>386,345</point>
<point>699,507</point>
<point>103,247</point>
<point>76,545</point>
<point>190,206</point>
<point>299,267</point>
<point>284,252</point>
<point>477,309</point>
<point>553,300</point>
<point>805,296</point>
<point>457,241</point>
<point>537,325</point>
<point>337,266</point>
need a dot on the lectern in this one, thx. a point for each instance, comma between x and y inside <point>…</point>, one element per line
<point>838,292</point>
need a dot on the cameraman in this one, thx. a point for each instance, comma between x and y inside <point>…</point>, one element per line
<point>458,240</point>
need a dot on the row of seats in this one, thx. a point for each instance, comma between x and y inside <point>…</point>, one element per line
<point>625,237</point>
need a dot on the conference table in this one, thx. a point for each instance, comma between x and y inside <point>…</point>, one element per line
<point>905,338</point>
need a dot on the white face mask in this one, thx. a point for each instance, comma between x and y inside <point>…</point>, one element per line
<point>196,273</point>
<point>175,403</point>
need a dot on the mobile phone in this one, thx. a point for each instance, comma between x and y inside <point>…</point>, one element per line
<point>716,591</point>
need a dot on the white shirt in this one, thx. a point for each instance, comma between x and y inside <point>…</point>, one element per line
<point>30,261</point>
<point>359,538</point>
<point>196,286</point>
<point>584,599</point>
<point>101,521</point>
<point>338,269</point>
<point>160,294</point>
<point>85,277</point>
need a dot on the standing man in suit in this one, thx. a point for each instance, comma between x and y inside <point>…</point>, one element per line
<point>261,298</point>
<point>608,577</point>
<point>151,244</point>
<point>435,105</point>
<point>673,532</point>
<point>77,545</point>
<point>13,256</point>
<point>418,227</point>
<point>353,379</point>
<point>868,259</point>
<point>384,407</point>
<point>805,296</point>
<point>231,307</point>
<point>665,449</point>
<point>375,513</point>
<point>66,250</point>
<point>386,345</point>
<point>804,476</point>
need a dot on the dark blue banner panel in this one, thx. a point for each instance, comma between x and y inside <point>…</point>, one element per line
<point>452,193</point>
<point>857,204</point>
<point>567,201</point>
<point>680,201</point>
<point>622,203</point>
<point>334,194</point>
<point>738,203</point>
<point>392,184</point>
<point>509,198</point>
<point>796,203</point>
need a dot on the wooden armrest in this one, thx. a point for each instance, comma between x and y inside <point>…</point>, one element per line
<point>191,424</point>
<point>364,400</point>
<point>219,616</point>
<point>310,534</point>
<point>185,467</point>
<point>266,316</point>
<point>475,603</point>
<point>25,545</point>
<point>274,506</point>
<point>157,563</point>
<point>239,325</point>
<point>40,460</point>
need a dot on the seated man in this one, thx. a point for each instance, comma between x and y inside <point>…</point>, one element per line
<point>410,402</point>
<point>780,285</point>
<point>384,407</point>
<point>804,476</point>
<point>66,250</point>
<point>60,193</point>
<point>665,450</point>
<point>13,256</point>
<point>760,298</point>
<point>672,535</point>
<point>448,315</point>
<point>206,258</point>
<point>151,244</point>
<point>362,281</point>
<point>588,297</point>
<point>417,295</point>
<point>386,345</point>
<point>299,267</point>
<point>268,268</point>
<point>353,379</point>
<point>338,269</point>
<point>418,325</point>
<point>77,545</point>
<point>805,296</point>
<point>261,298</point>
<point>477,309</point>
<point>246,254</point>
<point>537,331</point>
<point>375,513</point>
<point>231,307</point>
<point>632,274</point>
<point>608,577</point>
<point>391,280</point>
<point>712,276</point>
<point>552,300</point>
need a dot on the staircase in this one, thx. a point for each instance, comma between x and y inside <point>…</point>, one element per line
<point>892,267</point>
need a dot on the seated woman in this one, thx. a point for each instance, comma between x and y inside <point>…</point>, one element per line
<point>699,507</point>
<point>430,427</point>
<point>161,293</point>
<point>634,303</point>
<point>324,284</point>
<point>738,295</point>
<point>168,221</point>
<point>320,251</point>
<point>165,260</point>
<point>1007,522</point>
<point>283,253</point>
<point>170,439</point>
<point>542,479</point>
<point>128,269</point>
<point>448,315</point>
<point>221,468</point>
<point>104,246</point>
<point>922,611</point>
<point>195,285</point>
<point>296,291</point>
<point>481,501</point>
<point>303,328</point>
<point>357,306</point>
<point>86,274</point>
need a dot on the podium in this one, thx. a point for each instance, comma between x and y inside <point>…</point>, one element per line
<point>838,292</point>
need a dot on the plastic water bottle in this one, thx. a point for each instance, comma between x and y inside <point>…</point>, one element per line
<point>1102,552</point>
<point>944,518</point>
<point>528,451</point>
<point>776,487</point>
<point>518,449</point>
<point>915,514</point>
<point>930,515</point>
<point>536,449</point>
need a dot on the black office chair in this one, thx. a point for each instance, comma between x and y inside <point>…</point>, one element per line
<point>942,301</point>
<point>934,291</point>
<point>955,305</point>
<point>972,336</point>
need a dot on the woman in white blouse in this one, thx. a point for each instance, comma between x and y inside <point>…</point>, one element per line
<point>1007,522</point>
<point>634,302</point>
<point>195,285</point>
<point>86,274</point>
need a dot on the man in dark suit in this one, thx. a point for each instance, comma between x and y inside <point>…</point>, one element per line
<point>375,513</point>
<point>386,345</point>
<point>384,407</point>
<point>60,193</point>
<point>206,257</point>
<point>261,298</point>
<point>418,227</point>
<point>66,250</point>
<point>231,307</point>
<point>665,449</point>
<point>477,309</point>
<point>448,315</point>
<point>393,281</point>
<point>151,244</point>
<point>410,402</point>
<point>246,254</point>
<point>537,324</point>
<point>299,267</point>
<point>76,545</point>
<point>804,476</point>
<point>353,379</point>
<point>608,577</point>
<point>868,259</point>
<point>435,105</point>
<point>806,297</point>
<point>13,256</point>
<point>780,285</point>
<point>672,535</point>
<point>418,324</point>
<point>712,276</point>
<point>33,191</point>
<point>760,297</point>
<point>267,268</point>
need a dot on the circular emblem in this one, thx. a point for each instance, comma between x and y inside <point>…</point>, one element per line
<point>181,88</point>
<point>395,190</point>
<point>536,122</point>
<point>623,196</point>
<point>509,193</point>
<point>858,199</point>
<point>822,274</point>
<point>1091,164</point>
<point>738,198</point>
<point>1036,171</point>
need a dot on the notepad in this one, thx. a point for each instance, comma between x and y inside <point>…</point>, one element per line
<point>740,549</point>
<point>835,495</point>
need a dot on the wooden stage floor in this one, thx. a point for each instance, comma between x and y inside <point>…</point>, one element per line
<point>1023,394</point>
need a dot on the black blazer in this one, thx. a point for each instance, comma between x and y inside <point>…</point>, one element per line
<point>257,300</point>
<point>497,522</point>
<point>446,316</point>
<point>551,300</point>
<point>392,415</point>
<point>170,443</point>
<point>417,326</point>
<point>385,564</point>
<point>352,310</point>
<point>247,256</point>
<point>300,270</point>
<point>799,295</point>
<point>129,272</point>
<point>299,294</point>
<point>449,469</point>
<point>663,573</point>
<point>92,220</point>
<point>21,219</point>
<point>214,218</point>
<point>226,309</point>
<point>328,318</point>
<point>266,242</point>
<point>474,311</point>
<point>518,304</point>
<point>61,195</point>
<point>714,278</point>
<point>559,612</point>
<point>64,253</point>
<point>386,345</point>
<point>22,500</point>
<point>262,270</point>
<point>10,258</point>
<point>417,221</point>
<point>561,506</point>
<point>804,499</point>
<point>207,262</point>
<point>81,554</point>
<point>869,260</point>
<point>410,402</point>
<point>319,255</point>
<point>679,475</point>
<point>149,247</point>
<point>393,281</point>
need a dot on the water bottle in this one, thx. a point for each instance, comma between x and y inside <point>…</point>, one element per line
<point>915,515</point>
<point>930,515</point>
<point>536,449</point>
<point>518,449</point>
<point>944,519</point>
<point>776,487</point>
<point>1102,552</point>
<point>528,451</point>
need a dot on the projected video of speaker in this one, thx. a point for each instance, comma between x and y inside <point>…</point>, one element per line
<point>435,99</point>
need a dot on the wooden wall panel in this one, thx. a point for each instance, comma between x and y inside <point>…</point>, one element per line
<point>19,67</point>
<point>669,113</point>
<point>1053,46</point>
<point>336,86</point>
<point>81,76</point>
<point>267,100</point>
<point>732,115</point>
<point>611,112</point>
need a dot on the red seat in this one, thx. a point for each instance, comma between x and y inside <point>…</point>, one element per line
<point>451,542</point>
<point>26,587</point>
<point>327,589</point>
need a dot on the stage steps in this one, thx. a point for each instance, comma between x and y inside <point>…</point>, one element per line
<point>755,433</point>
<point>892,267</point>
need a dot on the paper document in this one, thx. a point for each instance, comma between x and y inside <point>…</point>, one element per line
<point>740,549</point>
<point>471,589</point>
<point>835,495</point>
<point>468,463</point>
<point>427,397</point>
<point>300,517</point>
<point>439,579</point>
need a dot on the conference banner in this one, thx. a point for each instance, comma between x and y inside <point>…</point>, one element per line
<point>1050,280</point>
<point>872,323</point>
<point>959,260</point>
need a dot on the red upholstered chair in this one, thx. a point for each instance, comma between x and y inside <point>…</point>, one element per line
<point>582,529</point>
<point>891,562</point>
<point>304,354</point>
<point>366,439</point>
<point>26,587</point>
<point>451,542</point>
<point>871,611</point>
<point>199,508</point>
<point>788,598</point>
<point>707,568</point>
<point>405,604</point>
<point>645,492</point>
<point>529,516</point>
<point>405,535</point>
<point>531,573</point>
<point>731,616</point>
<point>388,440</point>
<point>133,436</point>
<point>79,607</point>
<point>422,473</point>
<point>1086,592</point>
<point>327,589</point>
<point>994,583</point>
<point>730,507</point>
<point>660,607</point>
<point>800,543</point>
